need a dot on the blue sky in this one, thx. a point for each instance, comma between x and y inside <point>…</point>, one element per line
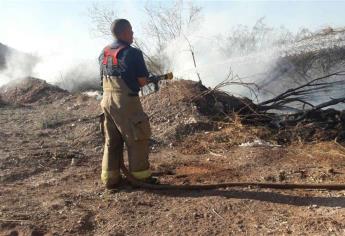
<point>38,26</point>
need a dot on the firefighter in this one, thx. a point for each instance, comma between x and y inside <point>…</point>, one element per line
<point>123,73</point>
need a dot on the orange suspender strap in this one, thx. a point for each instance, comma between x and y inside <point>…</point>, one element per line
<point>109,52</point>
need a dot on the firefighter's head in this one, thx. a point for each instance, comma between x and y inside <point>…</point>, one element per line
<point>122,30</point>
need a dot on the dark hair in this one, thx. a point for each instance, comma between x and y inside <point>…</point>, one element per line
<point>118,26</point>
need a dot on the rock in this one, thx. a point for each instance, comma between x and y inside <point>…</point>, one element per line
<point>314,206</point>
<point>73,162</point>
<point>191,120</point>
<point>270,178</point>
<point>197,215</point>
<point>282,175</point>
<point>303,174</point>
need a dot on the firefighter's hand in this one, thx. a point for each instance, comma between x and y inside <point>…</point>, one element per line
<point>142,81</point>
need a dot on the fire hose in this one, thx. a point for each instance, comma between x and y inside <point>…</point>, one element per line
<point>141,184</point>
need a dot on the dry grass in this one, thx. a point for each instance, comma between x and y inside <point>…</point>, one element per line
<point>322,149</point>
<point>228,135</point>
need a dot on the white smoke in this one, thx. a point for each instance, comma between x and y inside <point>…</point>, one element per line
<point>63,70</point>
<point>17,66</point>
<point>69,67</point>
<point>80,77</point>
<point>256,55</point>
<point>214,63</point>
<point>66,53</point>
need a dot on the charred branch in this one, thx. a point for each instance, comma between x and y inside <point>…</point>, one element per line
<point>301,94</point>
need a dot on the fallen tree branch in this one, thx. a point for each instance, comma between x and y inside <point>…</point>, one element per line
<point>332,102</point>
<point>300,94</point>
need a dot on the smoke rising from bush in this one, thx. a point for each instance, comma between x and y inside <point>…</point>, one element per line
<point>273,58</point>
<point>16,65</point>
<point>61,69</point>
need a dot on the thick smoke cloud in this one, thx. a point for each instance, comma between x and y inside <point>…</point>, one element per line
<point>62,69</point>
<point>273,58</point>
<point>216,56</point>
<point>16,65</point>
<point>66,52</point>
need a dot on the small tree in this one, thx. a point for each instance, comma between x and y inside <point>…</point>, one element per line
<point>101,17</point>
<point>169,22</point>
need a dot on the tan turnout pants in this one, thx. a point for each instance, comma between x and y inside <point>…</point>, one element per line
<point>124,122</point>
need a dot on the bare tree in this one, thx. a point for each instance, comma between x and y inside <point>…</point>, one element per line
<point>243,39</point>
<point>101,17</point>
<point>169,22</point>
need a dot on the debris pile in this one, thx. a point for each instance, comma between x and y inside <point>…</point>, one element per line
<point>183,107</point>
<point>183,111</point>
<point>187,112</point>
<point>31,90</point>
<point>318,125</point>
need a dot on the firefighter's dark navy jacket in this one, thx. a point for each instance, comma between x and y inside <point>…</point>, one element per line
<point>131,65</point>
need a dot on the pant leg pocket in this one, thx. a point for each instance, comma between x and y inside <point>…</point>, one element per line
<point>140,126</point>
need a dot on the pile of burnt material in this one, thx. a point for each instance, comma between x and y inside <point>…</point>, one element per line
<point>31,90</point>
<point>315,125</point>
<point>182,107</point>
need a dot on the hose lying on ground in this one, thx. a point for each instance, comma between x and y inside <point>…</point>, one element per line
<point>142,184</point>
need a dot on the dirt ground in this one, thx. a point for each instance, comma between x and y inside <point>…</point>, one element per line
<point>50,157</point>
